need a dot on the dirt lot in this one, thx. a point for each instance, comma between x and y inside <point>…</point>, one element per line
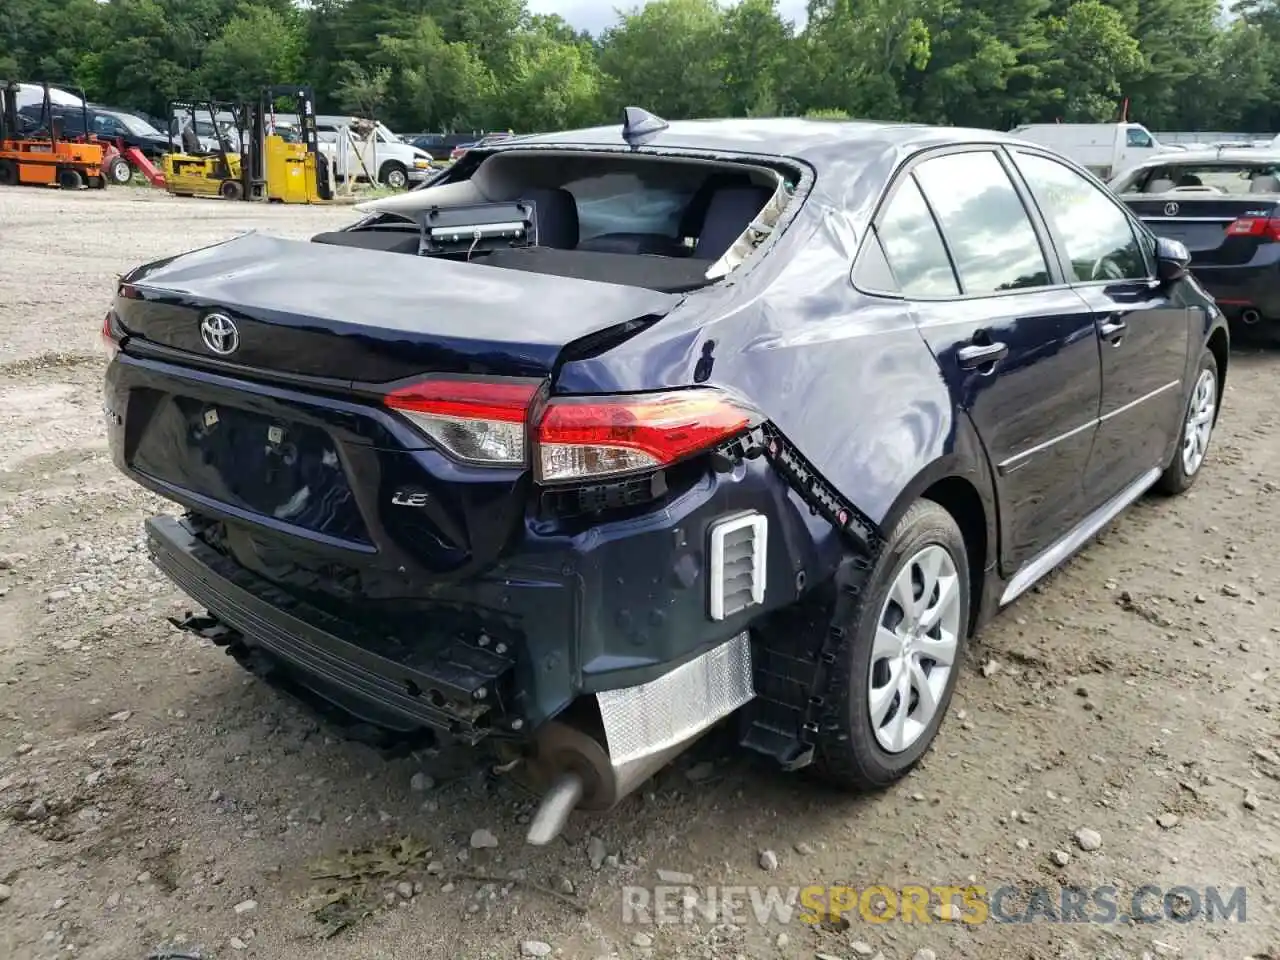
<point>152,795</point>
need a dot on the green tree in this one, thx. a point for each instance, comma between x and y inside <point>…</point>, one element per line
<point>1093,51</point>
<point>667,57</point>
<point>257,47</point>
<point>757,49</point>
<point>438,84</point>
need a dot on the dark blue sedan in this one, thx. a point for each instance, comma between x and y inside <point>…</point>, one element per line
<point>602,436</point>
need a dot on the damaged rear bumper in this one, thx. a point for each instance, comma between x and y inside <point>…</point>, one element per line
<point>373,677</point>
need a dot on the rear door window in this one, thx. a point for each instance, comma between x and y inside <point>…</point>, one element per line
<point>913,246</point>
<point>985,224</point>
<point>1098,235</point>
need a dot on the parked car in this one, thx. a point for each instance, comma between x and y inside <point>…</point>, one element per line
<point>440,145</point>
<point>469,475</point>
<point>1104,149</point>
<point>490,138</point>
<point>1224,205</point>
<point>116,125</point>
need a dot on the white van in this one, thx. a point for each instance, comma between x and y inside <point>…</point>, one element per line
<point>371,152</point>
<point>1106,149</point>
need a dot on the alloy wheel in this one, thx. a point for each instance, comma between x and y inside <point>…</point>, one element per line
<point>915,648</point>
<point>1199,425</point>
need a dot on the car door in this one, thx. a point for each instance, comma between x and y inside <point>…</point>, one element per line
<point>1017,347</point>
<point>1143,327</point>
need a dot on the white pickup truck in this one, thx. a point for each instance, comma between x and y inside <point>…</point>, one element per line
<point>371,151</point>
<point>1106,149</point>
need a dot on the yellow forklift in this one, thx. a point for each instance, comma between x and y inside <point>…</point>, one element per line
<point>271,159</point>
<point>194,170</point>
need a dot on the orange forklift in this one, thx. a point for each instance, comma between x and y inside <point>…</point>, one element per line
<point>42,156</point>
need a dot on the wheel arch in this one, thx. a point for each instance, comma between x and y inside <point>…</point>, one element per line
<point>961,483</point>
<point>1219,345</point>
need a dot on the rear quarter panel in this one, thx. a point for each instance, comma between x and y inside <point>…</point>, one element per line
<point>847,378</point>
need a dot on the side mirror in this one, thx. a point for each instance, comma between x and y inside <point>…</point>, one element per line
<point>1173,261</point>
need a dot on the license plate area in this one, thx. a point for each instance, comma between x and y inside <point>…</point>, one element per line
<point>281,469</point>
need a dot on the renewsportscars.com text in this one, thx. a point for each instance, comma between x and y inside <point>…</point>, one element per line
<point>970,904</point>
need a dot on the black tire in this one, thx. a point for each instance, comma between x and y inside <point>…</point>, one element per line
<point>97,183</point>
<point>230,190</point>
<point>118,171</point>
<point>8,173</point>
<point>1177,478</point>
<point>848,753</point>
<point>394,175</point>
<point>70,179</point>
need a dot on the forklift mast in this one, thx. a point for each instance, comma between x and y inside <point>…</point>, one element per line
<point>9,110</point>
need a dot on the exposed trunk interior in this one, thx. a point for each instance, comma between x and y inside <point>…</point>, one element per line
<point>663,223</point>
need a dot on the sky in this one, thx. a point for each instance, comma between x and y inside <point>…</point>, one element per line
<point>596,15</point>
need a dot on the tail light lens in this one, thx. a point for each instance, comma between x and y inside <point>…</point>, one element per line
<point>476,421</point>
<point>110,345</point>
<point>585,438</point>
<point>1267,228</point>
<point>486,422</point>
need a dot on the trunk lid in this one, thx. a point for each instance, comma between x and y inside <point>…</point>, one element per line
<point>1201,223</point>
<point>356,315</point>
<point>292,446</point>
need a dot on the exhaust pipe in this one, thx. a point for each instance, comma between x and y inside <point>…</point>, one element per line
<point>645,727</point>
<point>1250,317</point>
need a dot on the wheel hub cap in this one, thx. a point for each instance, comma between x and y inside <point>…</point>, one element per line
<point>1199,425</point>
<point>917,636</point>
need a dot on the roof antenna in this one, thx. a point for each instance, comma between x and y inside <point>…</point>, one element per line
<point>639,126</point>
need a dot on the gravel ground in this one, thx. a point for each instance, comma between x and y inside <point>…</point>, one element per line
<point>152,795</point>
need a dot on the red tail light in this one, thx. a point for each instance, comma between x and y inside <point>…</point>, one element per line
<point>477,421</point>
<point>484,422</point>
<point>1267,228</point>
<point>588,437</point>
<point>109,344</point>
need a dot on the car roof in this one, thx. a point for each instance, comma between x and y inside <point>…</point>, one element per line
<point>818,142</point>
<point>1212,155</point>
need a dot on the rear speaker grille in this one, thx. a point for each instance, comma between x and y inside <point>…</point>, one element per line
<point>738,548</point>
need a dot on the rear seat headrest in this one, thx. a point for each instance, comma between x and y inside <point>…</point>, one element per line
<point>729,213</point>
<point>556,216</point>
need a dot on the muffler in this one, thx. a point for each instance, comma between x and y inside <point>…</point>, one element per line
<point>645,728</point>
<point>1250,317</point>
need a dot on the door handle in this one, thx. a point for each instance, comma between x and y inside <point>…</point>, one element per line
<point>1113,331</point>
<point>981,354</point>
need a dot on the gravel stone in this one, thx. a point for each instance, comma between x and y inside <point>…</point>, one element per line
<point>535,948</point>
<point>6,892</point>
<point>862,948</point>
<point>1251,801</point>
<point>596,852</point>
<point>483,839</point>
<point>675,876</point>
<point>642,940</point>
<point>405,889</point>
<point>924,954</point>
<point>1060,858</point>
<point>420,782</point>
<point>768,861</point>
<point>1088,840</point>
<point>245,906</point>
<point>1167,821</point>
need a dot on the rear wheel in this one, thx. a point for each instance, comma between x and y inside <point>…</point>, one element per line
<point>97,183</point>
<point>8,173</point>
<point>1198,421</point>
<point>70,179</point>
<point>904,635</point>
<point>394,175</point>
<point>230,190</point>
<point>119,171</point>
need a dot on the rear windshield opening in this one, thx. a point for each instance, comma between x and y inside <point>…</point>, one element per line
<point>1222,178</point>
<point>663,223</point>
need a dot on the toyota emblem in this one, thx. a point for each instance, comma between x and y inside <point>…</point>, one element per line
<point>1170,209</point>
<point>219,333</point>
